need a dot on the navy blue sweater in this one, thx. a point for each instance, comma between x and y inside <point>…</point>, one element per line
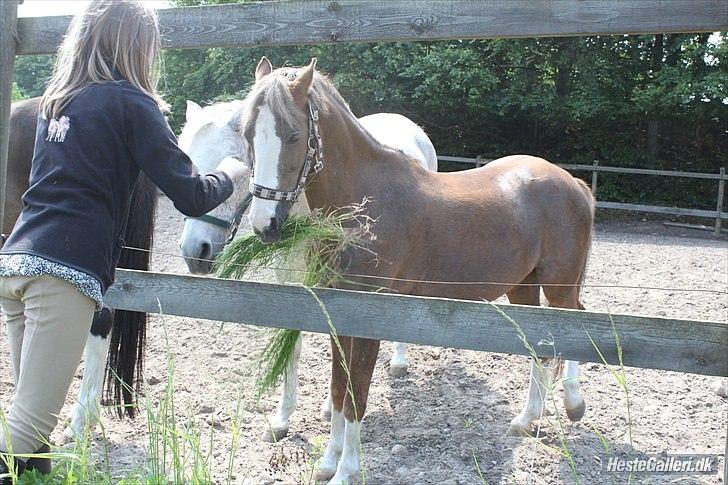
<point>84,167</point>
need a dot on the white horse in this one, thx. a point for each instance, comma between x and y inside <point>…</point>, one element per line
<point>208,136</point>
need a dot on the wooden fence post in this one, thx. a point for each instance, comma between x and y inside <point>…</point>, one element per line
<point>8,32</point>
<point>595,174</point>
<point>719,207</point>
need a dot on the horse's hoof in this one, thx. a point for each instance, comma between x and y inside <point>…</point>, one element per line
<point>517,431</point>
<point>273,434</point>
<point>397,370</point>
<point>323,474</point>
<point>326,414</point>
<point>69,435</point>
<point>576,413</point>
<point>345,479</point>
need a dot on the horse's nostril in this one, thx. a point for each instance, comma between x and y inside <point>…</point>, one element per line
<point>205,251</point>
<point>273,225</point>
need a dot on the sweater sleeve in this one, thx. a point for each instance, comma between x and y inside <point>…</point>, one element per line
<point>154,149</point>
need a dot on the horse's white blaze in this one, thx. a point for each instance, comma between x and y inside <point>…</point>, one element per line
<point>267,147</point>
<point>572,397</point>
<point>538,389</point>
<point>335,445</point>
<point>86,412</point>
<point>348,469</point>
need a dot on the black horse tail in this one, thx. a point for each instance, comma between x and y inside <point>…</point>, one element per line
<point>125,363</point>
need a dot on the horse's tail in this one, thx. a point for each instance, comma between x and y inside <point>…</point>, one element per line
<point>128,336</point>
<point>592,202</point>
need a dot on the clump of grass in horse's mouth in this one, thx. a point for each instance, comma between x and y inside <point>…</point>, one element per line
<point>319,238</point>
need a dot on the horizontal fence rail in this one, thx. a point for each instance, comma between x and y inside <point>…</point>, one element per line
<point>717,214</point>
<point>325,21</point>
<point>648,342</point>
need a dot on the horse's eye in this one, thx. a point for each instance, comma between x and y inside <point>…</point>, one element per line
<point>294,138</point>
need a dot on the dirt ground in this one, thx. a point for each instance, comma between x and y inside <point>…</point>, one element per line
<point>450,413</point>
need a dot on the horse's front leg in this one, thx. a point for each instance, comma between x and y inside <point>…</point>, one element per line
<point>278,425</point>
<point>340,360</point>
<point>398,364</point>
<point>86,413</point>
<point>326,406</point>
<point>363,358</point>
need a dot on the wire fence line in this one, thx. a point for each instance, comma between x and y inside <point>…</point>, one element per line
<point>442,282</point>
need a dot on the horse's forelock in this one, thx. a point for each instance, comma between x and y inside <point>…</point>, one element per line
<point>274,91</point>
<point>223,113</point>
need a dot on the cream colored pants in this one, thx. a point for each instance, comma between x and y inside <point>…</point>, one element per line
<point>48,322</point>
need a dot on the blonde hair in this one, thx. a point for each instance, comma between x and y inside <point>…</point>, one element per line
<point>110,38</point>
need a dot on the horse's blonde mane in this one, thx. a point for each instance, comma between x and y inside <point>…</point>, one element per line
<point>273,90</point>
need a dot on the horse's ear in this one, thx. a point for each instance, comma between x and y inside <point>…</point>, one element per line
<point>192,109</point>
<point>264,68</point>
<point>299,87</point>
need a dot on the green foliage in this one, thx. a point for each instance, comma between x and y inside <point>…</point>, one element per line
<point>566,99</point>
<point>32,73</point>
<point>17,94</point>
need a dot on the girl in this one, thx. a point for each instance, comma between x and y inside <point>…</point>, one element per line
<point>100,124</point>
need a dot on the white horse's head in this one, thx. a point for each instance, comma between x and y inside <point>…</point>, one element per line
<point>209,135</point>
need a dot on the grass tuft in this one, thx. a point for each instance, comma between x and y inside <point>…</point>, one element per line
<point>320,238</point>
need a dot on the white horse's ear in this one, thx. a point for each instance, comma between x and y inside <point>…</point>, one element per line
<point>192,109</point>
<point>264,68</point>
<point>300,86</point>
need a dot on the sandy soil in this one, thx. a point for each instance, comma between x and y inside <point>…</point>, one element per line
<point>450,413</point>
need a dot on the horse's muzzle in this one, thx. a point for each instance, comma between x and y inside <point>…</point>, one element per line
<point>271,233</point>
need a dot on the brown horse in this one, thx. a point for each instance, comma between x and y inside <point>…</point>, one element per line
<point>520,221</point>
<point>127,328</point>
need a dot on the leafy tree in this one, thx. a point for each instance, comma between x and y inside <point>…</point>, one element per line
<point>17,95</point>
<point>655,101</point>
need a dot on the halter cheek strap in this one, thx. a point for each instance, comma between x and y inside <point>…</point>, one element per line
<point>231,226</point>
<point>314,160</point>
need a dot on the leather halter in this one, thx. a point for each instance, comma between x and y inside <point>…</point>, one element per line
<point>231,226</point>
<point>314,157</point>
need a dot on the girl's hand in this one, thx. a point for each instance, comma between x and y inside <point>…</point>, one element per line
<point>234,168</point>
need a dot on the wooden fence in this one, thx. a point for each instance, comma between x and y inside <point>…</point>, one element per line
<point>687,346</point>
<point>648,342</point>
<point>718,214</point>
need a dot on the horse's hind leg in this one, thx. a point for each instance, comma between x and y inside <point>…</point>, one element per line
<point>540,378</point>
<point>326,468</point>
<point>87,410</point>
<point>568,297</point>
<point>277,428</point>
<point>573,402</point>
<point>398,364</point>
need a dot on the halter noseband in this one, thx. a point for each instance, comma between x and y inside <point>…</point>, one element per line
<point>231,226</point>
<point>314,157</point>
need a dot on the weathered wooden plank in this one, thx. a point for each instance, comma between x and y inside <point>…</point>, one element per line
<point>679,211</point>
<point>644,171</point>
<point>325,21</point>
<point>474,161</point>
<point>649,342</point>
<point>8,15</point>
<point>602,168</point>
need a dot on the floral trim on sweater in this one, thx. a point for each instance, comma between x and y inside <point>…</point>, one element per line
<point>31,265</point>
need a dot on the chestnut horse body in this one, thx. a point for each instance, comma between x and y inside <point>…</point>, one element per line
<point>511,227</point>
